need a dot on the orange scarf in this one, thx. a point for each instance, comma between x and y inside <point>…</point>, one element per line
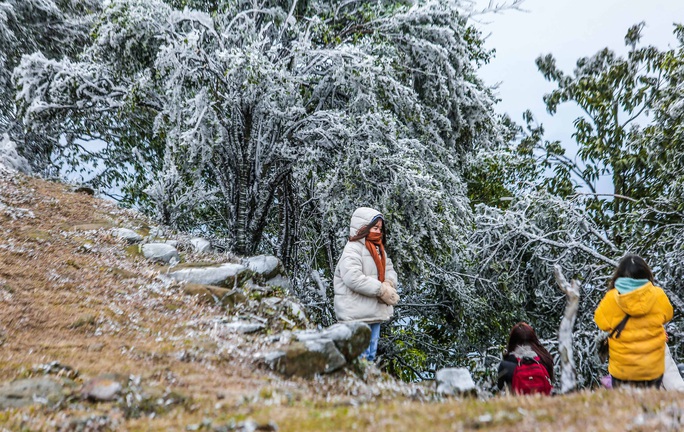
<point>373,243</point>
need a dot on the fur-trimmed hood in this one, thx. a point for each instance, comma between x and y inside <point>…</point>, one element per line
<point>363,216</point>
<point>524,351</point>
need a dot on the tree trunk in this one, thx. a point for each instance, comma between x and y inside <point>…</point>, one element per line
<point>243,245</point>
<point>568,380</point>
<point>288,224</point>
<point>242,212</point>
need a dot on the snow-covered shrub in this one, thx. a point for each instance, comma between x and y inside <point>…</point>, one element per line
<point>10,159</point>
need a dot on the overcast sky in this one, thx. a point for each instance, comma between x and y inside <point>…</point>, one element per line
<point>568,30</point>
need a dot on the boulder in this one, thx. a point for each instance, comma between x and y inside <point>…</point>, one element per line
<point>351,339</point>
<point>214,294</point>
<point>306,359</point>
<point>160,252</point>
<point>30,391</point>
<point>454,381</point>
<point>129,235</point>
<point>200,245</point>
<point>320,352</point>
<point>103,388</point>
<point>264,267</point>
<point>158,232</point>
<point>223,275</point>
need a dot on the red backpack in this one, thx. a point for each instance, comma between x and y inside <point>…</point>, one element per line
<point>531,377</point>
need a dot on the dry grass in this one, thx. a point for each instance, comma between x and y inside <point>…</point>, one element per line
<point>72,294</point>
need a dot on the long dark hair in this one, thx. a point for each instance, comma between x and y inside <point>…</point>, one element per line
<point>523,334</point>
<point>365,230</point>
<point>631,266</point>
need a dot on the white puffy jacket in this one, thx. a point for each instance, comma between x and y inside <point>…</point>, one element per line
<point>356,278</point>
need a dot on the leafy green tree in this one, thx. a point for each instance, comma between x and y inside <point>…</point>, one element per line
<point>616,94</point>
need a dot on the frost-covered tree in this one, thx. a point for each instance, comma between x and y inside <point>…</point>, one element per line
<point>59,29</point>
<point>267,123</point>
<point>616,95</point>
<point>517,250</point>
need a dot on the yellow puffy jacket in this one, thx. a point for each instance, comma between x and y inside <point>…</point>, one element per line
<point>639,353</point>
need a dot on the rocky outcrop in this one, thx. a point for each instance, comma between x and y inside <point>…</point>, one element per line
<point>264,267</point>
<point>306,359</point>
<point>320,352</point>
<point>455,381</point>
<point>200,245</point>
<point>160,252</point>
<point>103,388</point>
<point>130,236</point>
<point>224,275</point>
<point>351,339</point>
<point>44,390</point>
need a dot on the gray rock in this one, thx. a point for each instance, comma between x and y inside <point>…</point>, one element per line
<point>160,252</point>
<point>158,232</point>
<point>306,359</point>
<point>351,339</point>
<point>454,381</point>
<point>30,391</point>
<point>279,281</point>
<point>102,388</point>
<point>173,243</point>
<point>319,352</point>
<point>200,245</point>
<point>225,275</point>
<point>244,327</point>
<point>264,266</point>
<point>129,235</point>
<point>334,359</point>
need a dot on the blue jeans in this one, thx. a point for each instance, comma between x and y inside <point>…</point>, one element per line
<point>369,354</point>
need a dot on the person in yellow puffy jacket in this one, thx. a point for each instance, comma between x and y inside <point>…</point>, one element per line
<point>637,353</point>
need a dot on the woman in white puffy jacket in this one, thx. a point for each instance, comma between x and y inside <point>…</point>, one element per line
<point>365,280</point>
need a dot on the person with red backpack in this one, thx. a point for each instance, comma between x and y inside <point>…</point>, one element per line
<point>527,367</point>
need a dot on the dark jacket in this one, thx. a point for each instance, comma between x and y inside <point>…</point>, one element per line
<point>510,362</point>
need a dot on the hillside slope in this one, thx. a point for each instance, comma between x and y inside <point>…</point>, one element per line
<point>77,303</point>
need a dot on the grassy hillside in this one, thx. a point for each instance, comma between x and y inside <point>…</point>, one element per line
<point>76,302</point>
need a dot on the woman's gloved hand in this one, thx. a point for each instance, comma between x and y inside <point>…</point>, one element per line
<point>388,294</point>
